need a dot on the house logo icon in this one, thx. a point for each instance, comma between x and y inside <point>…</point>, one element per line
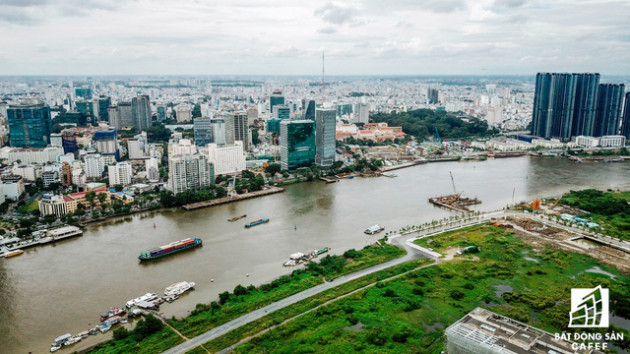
<point>589,308</point>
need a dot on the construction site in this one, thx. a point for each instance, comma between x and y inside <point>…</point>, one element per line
<point>541,234</point>
<point>454,201</point>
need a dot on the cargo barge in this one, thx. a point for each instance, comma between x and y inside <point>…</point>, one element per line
<point>257,222</point>
<point>171,248</point>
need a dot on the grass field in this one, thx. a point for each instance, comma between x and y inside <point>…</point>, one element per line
<point>409,314</point>
<point>246,299</point>
<point>155,343</point>
<point>611,210</point>
<point>30,207</point>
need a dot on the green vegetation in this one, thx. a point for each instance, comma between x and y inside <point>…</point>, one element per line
<point>610,209</point>
<point>29,208</point>
<point>245,299</point>
<point>422,124</point>
<point>149,336</point>
<point>168,199</point>
<point>410,313</point>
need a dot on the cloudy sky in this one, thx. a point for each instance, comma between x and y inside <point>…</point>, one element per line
<point>92,37</point>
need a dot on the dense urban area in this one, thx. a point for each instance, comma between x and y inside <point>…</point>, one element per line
<point>83,151</point>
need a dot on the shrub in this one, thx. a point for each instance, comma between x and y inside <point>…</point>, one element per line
<point>457,294</point>
<point>121,333</point>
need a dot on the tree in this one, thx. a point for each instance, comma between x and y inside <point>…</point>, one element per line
<point>118,188</point>
<point>89,196</point>
<point>101,198</point>
<point>273,168</point>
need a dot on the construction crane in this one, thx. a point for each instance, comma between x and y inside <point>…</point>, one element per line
<point>232,191</point>
<point>437,136</point>
<point>453,182</point>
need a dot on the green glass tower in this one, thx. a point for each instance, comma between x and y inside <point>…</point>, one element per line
<point>29,125</point>
<point>297,144</point>
<point>276,98</point>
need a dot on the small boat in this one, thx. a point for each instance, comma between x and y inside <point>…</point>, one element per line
<point>77,338</point>
<point>124,320</point>
<point>237,218</point>
<point>257,222</point>
<point>112,313</point>
<point>94,330</point>
<point>54,348</point>
<point>146,297</point>
<point>178,288</point>
<point>171,298</point>
<point>61,340</point>
<point>374,229</point>
<point>105,328</point>
<point>13,253</point>
<point>114,320</point>
<point>84,334</point>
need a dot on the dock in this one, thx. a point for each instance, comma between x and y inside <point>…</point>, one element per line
<point>329,180</point>
<point>403,165</point>
<point>215,202</point>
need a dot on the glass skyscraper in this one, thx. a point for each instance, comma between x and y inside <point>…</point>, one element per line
<point>625,124</point>
<point>584,107</point>
<point>29,125</point>
<point>203,131</point>
<point>276,98</point>
<point>608,109</point>
<point>297,144</point>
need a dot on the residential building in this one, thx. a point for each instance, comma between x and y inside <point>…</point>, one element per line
<point>152,166</point>
<point>432,96</point>
<point>69,142</point>
<point>297,143</point>
<point>218,131</point>
<point>554,101</point>
<point>28,172</point>
<point>55,140</point>
<point>161,112</point>
<point>126,116</point>
<point>66,173</point>
<point>252,115</point>
<point>30,125</point>
<point>141,111</point>
<point>608,109</point>
<point>203,131</point>
<point>325,142</point>
<point>50,177</point>
<point>30,156</point>
<point>275,99</point>
<point>363,113</point>
<point>120,173</point>
<point>135,149</point>
<point>227,158</point>
<point>102,112</point>
<point>189,171</point>
<point>483,331</point>
<point>281,111</point>
<point>604,141</point>
<point>94,166</point>
<point>113,113</point>
<point>78,177</point>
<point>585,101</point>
<point>240,128</point>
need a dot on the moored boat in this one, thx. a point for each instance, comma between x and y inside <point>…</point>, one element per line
<point>13,253</point>
<point>178,288</point>
<point>257,222</point>
<point>374,229</point>
<point>144,298</point>
<point>171,248</point>
<point>112,313</point>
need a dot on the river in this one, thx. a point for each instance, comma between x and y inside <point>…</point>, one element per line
<point>55,289</point>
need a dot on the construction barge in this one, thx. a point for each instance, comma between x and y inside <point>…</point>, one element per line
<point>454,202</point>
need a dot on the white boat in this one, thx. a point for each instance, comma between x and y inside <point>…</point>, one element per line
<point>146,297</point>
<point>62,339</point>
<point>374,229</point>
<point>178,288</point>
<point>54,348</point>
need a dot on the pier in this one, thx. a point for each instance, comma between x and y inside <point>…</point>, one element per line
<point>237,197</point>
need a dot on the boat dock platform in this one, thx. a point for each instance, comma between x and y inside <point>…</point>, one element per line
<point>329,180</point>
<point>454,202</point>
<point>235,198</point>
<point>403,165</point>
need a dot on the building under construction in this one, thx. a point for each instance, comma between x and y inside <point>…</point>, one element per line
<point>485,332</point>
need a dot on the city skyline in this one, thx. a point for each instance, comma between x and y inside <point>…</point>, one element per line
<point>359,37</point>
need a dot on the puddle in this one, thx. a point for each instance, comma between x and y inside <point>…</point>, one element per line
<point>500,289</point>
<point>531,259</point>
<point>598,270</point>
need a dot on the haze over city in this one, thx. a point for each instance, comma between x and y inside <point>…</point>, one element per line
<point>104,37</point>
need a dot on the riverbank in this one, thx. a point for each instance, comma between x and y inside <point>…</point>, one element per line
<point>235,198</point>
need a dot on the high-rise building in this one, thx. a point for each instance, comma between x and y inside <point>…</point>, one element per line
<point>325,142</point>
<point>141,111</point>
<point>273,127</point>
<point>584,107</point>
<point>219,131</point>
<point>281,111</point>
<point>161,113</point>
<point>86,108</point>
<point>228,158</point>
<point>240,127</point>
<point>125,111</point>
<point>183,113</point>
<point>363,114</point>
<point>113,114</point>
<point>276,98</point>
<point>84,93</point>
<point>252,114</point>
<point>608,109</point>
<point>106,143</point>
<point>55,140</point>
<point>152,166</point>
<point>297,143</point>
<point>103,108</point>
<point>188,171</point>
<point>119,173</point>
<point>554,100</point>
<point>69,142</point>
<point>309,109</point>
<point>94,166</point>
<point>433,96</point>
<point>135,149</point>
<point>203,131</point>
<point>625,125</point>
<point>30,125</point>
